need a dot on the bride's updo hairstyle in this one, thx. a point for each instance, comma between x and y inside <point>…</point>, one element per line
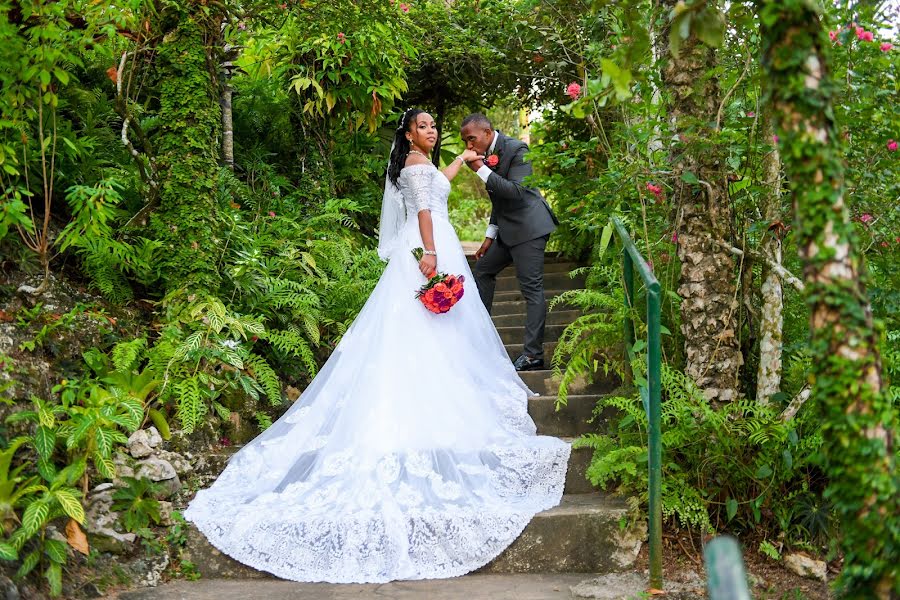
<point>401,145</point>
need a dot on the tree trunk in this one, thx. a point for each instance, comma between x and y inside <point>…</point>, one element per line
<point>188,148</point>
<point>859,423</point>
<point>768,381</point>
<point>227,127</point>
<point>707,283</point>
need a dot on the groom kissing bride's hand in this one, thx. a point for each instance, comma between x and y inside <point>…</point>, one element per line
<point>520,225</point>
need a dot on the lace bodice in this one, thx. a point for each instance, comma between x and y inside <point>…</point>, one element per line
<point>424,187</point>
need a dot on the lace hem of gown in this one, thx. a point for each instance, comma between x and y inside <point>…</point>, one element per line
<point>404,521</point>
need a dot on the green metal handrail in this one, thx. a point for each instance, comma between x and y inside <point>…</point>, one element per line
<point>726,578</point>
<point>650,393</point>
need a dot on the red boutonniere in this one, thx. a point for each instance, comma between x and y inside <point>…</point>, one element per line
<point>492,160</point>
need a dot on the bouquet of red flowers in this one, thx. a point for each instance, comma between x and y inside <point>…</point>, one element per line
<point>441,291</point>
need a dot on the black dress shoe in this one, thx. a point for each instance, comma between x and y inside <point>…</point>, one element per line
<point>527,363</point>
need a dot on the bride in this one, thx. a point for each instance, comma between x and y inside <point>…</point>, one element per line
<point>411,455</point>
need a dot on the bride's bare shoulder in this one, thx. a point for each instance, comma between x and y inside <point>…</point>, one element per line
<point>413,159</point>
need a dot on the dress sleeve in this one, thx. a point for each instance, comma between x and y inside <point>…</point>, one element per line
<point>418,185</point>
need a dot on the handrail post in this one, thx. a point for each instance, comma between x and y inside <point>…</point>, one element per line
<point>628,273</point>
<point>631,260</point>
<point>654,383</point>
<point>725,575</point>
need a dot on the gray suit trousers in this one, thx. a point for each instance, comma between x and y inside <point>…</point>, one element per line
<point>528,258</point>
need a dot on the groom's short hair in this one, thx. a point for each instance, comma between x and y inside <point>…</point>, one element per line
<point>478,119</point>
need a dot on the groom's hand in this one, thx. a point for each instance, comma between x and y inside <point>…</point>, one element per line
<point>484,248</point>
<point>476,164</point>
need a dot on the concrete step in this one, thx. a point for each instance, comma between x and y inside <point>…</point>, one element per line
<point>549,267</point>
<point>544,383</point>
<point>498,586</point>
<point>555,317</point>
<point>549,257</point>
<point>518,307</point>
<point>516,295</point>
<point>516,333</point>
<point>570,420</point>
<point>561,281</point>
<point>514,350</point>
<point>579,461</point>
<point>581,535</point>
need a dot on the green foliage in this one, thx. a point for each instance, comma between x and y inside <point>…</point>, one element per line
<point>186,223</point>
<point>859,420</point>
<point>737,467</point>
<point>583,346</point>
<point>108,260</point>
<point>137,502</point>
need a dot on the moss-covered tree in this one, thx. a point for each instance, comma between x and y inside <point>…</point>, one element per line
<point>859,422</point>
<point>187,145</point>
<point>703,213</point>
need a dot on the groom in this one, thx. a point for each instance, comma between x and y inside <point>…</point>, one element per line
<point>521,222</point>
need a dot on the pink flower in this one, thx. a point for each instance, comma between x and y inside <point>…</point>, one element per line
<point>884,244</point>
<point>864,36</point>
<point>341,37</point>
<point>674,237</point>
<point>886,46</point>
<point>750,113</point>
<point>774,139</point>
<point>832,35</point>
<point>866,218</point>
<point>271,213</point>
<point>859,31</point>
<point>282,6</point>
<point>655,190</point>
<point>242,26</point>
<point>573,91</point>
<point>404,7</point>
<point>892,146</point>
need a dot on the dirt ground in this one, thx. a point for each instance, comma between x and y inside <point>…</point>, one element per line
<point>769,580</point>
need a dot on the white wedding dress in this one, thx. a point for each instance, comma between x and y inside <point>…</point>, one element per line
<point>410,456</point>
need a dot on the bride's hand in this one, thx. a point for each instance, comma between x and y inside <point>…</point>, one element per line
<point>428,265</point>
<point>470,155</point>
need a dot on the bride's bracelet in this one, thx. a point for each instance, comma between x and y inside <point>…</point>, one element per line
<point>430,252</point>
<point>460,158</point>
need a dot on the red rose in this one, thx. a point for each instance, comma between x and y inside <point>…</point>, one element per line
<point>492,160</point>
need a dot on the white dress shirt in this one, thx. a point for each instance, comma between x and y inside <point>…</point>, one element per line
<point>484,172</point>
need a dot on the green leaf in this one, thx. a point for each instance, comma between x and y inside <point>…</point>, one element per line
<point>35,516</point>
<point>162,425</point>
<point>44,441</point>
<point>763,472</point>
<point>709,27</point>
<point>689,177</point>
<point>731,507</point>
<point>30,562</point>
<point>70,503</point>
<point>54,578</point>
<point>8,552</point>
<point>605,237</point>
<point>56,551</point>
<point>105,466</point>
<point>788,459</point>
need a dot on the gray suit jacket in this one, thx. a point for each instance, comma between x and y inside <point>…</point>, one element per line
<point>521,213</point>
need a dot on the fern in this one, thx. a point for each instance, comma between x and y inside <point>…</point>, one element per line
<point>740,455</point>
<point>127,355</point>
<point>260,370</point>
<point>191,407</point>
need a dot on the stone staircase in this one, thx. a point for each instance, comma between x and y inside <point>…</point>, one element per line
<point>581,535</point>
